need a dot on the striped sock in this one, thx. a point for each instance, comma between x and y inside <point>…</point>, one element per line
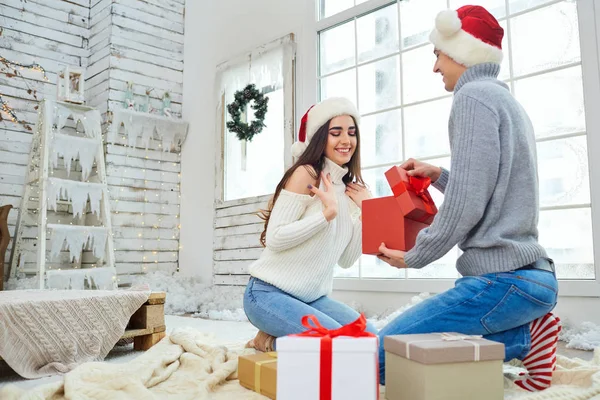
<point>541,360</point>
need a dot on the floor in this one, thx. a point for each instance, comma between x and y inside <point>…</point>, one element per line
<point>234,331</point>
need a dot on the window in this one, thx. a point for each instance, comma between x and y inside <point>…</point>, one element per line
<point>247,173</point>
<point>382,61</point>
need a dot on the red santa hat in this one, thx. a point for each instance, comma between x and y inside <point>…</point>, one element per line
<point>317,116</point>
<point>469,35</point>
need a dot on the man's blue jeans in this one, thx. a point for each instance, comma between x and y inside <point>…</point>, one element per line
<point>277,313</point>
<point>498,306</point>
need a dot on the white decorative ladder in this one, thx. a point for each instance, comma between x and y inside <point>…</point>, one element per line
<point>48,144</point>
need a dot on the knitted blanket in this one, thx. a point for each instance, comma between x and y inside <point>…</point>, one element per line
<point>51,332</point>
<point>192,365</point>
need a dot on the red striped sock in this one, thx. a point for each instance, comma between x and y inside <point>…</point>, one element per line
<point>541,360</point>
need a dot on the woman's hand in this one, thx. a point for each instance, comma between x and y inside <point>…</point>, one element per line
<point>393,257</point>
<point>419,168</point>
<point>327,197</point>
<point>357,193</point>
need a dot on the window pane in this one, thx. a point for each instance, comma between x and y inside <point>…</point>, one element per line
<point>336,48</point>
<point>505,67</point>
<point>328,8</point>
<point>515,6</point>
<point>378,33</point>
<point>417,19</point>
<point>567,237</point>
<point>564,173</point>
<point>379,85</point>
<point>254,174</point>
<point>426,129</point>
<point>375,180</point>
<point>445,267</point>
<point>554,102</point>
<point>373,267</point>
<point>496,7</point>
<point>536,47</point>
<point>418,80</point>
<point>351,272</point>
<point>342,84</point>
<point>381,138</point>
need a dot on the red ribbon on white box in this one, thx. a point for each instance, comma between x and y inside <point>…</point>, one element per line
<point>450,337</point>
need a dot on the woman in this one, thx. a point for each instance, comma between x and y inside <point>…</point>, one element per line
<point>312,223</point>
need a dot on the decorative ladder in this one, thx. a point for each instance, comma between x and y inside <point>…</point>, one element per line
<point>48,144</point>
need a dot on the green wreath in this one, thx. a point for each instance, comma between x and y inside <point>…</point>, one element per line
<point>242,98</point>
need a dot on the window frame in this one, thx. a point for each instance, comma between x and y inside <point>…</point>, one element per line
<point>589,33</point>
<point>289,83</point>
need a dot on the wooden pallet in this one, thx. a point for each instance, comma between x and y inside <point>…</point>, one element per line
<point>147,325</point>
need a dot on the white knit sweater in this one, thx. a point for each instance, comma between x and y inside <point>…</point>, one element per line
<point>302,248</point>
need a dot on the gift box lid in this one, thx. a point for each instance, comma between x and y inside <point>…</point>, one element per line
<point>443,348</point>
<point>305,344</point>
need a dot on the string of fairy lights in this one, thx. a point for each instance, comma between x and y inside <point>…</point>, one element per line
<point>21,66</point>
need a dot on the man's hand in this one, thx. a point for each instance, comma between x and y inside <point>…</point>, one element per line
<point>393,257</point>
<point>419,168</point>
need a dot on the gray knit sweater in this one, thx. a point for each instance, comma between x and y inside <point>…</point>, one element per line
<point>490,206</point>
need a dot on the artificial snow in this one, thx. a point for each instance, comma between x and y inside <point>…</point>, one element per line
<point>381,321</point>
<point>142,126</point>
<point>187,295</point>
<point>583,337</point>
<point>77,237</point>
<point>76,192</point>
<point>91,120</point>
<point>99,278</point>
<point>73,147</point>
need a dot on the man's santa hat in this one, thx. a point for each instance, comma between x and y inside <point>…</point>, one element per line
<point>469,35</point>
<point>317,116</point>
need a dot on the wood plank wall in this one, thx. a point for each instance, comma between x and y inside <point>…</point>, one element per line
<point>117,41</point>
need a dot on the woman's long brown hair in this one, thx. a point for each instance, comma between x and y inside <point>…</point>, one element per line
<point>314,156</point>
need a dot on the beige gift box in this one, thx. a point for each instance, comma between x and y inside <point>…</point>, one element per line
<point>443,366</point>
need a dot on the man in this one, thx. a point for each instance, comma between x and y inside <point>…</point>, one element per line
<point>490,209</point>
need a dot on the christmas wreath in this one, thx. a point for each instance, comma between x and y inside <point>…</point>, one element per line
<point>242,98</point>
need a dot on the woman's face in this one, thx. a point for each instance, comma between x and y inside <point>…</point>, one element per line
<point>341,140</point>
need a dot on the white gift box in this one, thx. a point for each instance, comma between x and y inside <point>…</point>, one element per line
<point>354,368</point>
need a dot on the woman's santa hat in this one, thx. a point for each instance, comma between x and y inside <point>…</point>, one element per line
<point>317,116</point>
<point>469,35</point>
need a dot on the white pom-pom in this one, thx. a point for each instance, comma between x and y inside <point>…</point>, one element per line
<point>447,22</point>
<point>298,148</point>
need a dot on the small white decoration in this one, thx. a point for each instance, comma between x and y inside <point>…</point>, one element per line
<point>77,238</point>
<point>76,192</point>
<point>72,147</point>
<point>70,84</point>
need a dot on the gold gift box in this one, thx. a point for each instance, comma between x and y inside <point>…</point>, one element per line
<point>258,372</point>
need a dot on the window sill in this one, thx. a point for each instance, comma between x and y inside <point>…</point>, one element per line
<point>567,288</point>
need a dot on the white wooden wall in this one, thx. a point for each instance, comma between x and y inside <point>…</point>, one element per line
<point>236,242</point>
<point>49,32</point>
<point>141,42</point>
<point>117,41</point>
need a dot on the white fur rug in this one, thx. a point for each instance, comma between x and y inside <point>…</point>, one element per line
<point>190,364</point>
<point>186,365</point>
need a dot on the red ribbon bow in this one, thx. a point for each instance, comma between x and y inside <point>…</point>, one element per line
<point>353,329</point>
<point>419,186</point>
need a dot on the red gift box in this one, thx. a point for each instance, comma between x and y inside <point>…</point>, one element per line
<point>412,195</point>
<point>383,222</point>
